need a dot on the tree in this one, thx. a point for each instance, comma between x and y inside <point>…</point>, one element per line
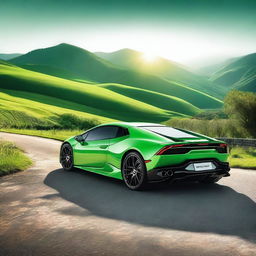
<point>242,107</point>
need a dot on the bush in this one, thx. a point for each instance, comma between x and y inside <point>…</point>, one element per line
<point>213,128</point>
<point>211,114</point>
<point>73,122</point>
<point>21,120</point>
<point>241,106</point>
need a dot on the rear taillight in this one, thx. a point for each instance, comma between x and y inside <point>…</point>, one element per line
<point>224,148</point>
<point>185,148</point>
<point>161,151</point>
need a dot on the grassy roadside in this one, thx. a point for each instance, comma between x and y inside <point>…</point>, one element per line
<point>12,159</point>
<point>243,157</point>
<point>51,134</point>
<point>239,157</point>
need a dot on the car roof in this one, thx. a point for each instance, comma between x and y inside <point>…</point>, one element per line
<point>133,124</point>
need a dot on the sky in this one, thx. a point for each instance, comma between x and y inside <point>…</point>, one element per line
<point>186,31</point>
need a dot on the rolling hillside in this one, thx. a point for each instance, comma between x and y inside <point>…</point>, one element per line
<point>153,98</point>
<point>162,67</point>
<point>19,109</point>
<point>6,63</point>
<point>55,92</point>
<point>131,59</point>
<point>211,69</point>
<point>79,64</point>
<point>8,56</point>
<point>240,74</point>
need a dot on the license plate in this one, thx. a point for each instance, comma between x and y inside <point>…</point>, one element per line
<point>203,166</point>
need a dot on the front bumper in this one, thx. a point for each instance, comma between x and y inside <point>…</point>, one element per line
<point>179,172</point>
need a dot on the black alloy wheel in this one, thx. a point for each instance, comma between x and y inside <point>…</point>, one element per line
<point>66,157</point>
<point>134,171</point>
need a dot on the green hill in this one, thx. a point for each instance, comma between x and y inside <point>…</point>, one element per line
<point>53,71</point>
<point>78,96</point>
<point>6,63</point>
<point>162,67</point>
<point>84,65</point>
<point>132,59</point>
<point>19,109</point>
<point>8,56</point>
<point>157,99</point>
<point>247,82</point>
<point>240,74</point>
<point>209,70</point>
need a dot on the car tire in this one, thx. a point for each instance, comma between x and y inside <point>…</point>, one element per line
<point>66,157</point>
<point>134,171</point>
<point>210,180</point>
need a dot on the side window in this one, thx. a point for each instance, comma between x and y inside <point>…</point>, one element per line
<point>105,132</point>
<point>85,135</point>
<point>122,132</point>
<point>102,133</point>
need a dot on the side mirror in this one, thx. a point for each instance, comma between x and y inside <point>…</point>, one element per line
<point>79,138</point>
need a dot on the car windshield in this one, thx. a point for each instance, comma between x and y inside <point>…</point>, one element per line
<point>168,132</point>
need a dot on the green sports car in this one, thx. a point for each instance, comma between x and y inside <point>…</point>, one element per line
<point>139,153</point>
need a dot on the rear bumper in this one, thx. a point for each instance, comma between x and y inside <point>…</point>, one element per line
<point>179,172</point>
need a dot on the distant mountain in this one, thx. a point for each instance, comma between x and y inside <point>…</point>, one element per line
<point>240,74</point>
<point>63,60</point>
<point>84,65</point>
<point>8,56</point>
<point>162,67</point>
<point>211,69</point>
<point>132,59</point>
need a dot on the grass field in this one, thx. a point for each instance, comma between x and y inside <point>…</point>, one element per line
<point>12,159</point>
<point>243,157</point>
<point>20,109</point>
<point>95,100</point>
<point>160,100</point>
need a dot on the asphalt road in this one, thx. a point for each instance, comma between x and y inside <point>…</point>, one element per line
<point>46,211</point>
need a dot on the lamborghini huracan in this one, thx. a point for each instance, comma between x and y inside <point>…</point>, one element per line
<point>140,153</point>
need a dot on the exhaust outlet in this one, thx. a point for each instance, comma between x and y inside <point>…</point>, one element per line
<point>169,173</point>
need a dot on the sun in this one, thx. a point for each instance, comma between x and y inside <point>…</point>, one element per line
<point>148,57</point>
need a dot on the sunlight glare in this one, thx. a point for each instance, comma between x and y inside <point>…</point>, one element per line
<point>148,57</point>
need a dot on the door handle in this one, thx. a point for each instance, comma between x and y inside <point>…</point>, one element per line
<point>103,146</point>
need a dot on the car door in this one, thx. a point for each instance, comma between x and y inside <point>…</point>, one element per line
<point>116,146</point>
<point>92,152</point>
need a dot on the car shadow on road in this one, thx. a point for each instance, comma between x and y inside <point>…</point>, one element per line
<point>186,206</point>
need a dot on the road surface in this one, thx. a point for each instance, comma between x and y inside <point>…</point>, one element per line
<point>46,211</point>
